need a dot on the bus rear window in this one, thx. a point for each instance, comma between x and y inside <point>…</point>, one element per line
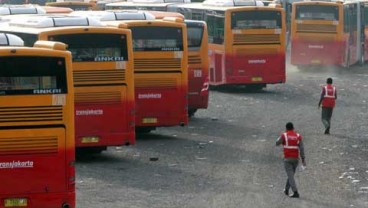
<point>260,19</point>
<point>317,12</point>
<point>96,47</point>
<point>194,37</point>
<point>157,38</point>
<point>25,75</point>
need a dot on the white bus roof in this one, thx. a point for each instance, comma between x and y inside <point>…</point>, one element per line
<point>21,9</point>
<point>160,1</point>
<point>55,21</point>
<point>114,15</point>
<point>221,3</point>
<point>86,1</point>
<point>10,40</point>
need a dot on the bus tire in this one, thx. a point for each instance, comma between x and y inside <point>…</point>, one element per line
<point>144,130</point>
<point>191,112</point>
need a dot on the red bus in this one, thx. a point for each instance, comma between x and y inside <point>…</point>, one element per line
<point>327,33</point>
<point>37,149</point>
<point>246,43</point>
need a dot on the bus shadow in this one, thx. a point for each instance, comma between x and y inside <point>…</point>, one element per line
<point>237,89</point>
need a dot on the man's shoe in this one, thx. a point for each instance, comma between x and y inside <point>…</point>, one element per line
<point>327,131</point>
<point>286,192</point>
<point>295,195</point>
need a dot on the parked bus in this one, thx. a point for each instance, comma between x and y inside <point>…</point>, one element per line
<point>74,4</point>
<point>151,5</point>
<point>198,79</point>
<point>161,72</point>
<point>37,125</point>
<point>102,71</point>
<point>327,33</point>
<point>246,43</point>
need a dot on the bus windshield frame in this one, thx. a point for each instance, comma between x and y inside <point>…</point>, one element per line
<point>150,38</point>
<point>258,19</point>
<point>95,47</point>
<point>32,75</point>
<point>317,12</point>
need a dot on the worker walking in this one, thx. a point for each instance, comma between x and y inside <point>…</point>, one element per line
<point>327,100</point>
<point>293,148</point>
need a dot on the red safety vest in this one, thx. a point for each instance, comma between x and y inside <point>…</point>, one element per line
<point>329,96</point>
<point>291,140</point>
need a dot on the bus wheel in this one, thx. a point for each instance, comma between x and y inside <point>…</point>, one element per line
<point>143,130</point>
<point>191,112</point>
<point>256,87</point>
<point>90,150</point>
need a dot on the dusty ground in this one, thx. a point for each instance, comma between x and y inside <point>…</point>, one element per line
<point>226,157</point>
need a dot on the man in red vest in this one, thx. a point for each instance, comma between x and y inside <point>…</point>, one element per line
<point>293,147</point>
<point>328,97</point>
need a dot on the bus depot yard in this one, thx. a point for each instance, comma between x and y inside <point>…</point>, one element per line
<point>226,156</point>
<point>129,90</point>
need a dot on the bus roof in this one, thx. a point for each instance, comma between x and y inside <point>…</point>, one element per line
<point>10,40</point>
<point>21,9</point>
<point>85,1</point>
<point>112,15</point>
<point>161,14</point>
<point>160,1</point>
<point>222,3</point>
<point>162,22</point>
<point>57,10</point>
<point>201,6</point>
<point>54,21</point>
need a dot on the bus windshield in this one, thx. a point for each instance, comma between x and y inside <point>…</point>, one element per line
<point>256,20</point>
<point>95,47</point>
<point>25,75</point>
<point>194,37</point>
<point>317,12</point>
<point>151,39</point>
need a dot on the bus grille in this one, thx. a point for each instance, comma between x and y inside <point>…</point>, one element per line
<point>99,77</point>
<point>316,28</point>
<point>194,59</point>
<point>156,83</point>
<point>28,145</point>
<point>98,97</point>
<point>30,114</point>
<point>247,39</point>
<point>157,64</point>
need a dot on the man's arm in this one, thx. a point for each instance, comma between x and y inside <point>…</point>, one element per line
<point>322,96</point>
<point>301,152</point>
<point>279,141</point>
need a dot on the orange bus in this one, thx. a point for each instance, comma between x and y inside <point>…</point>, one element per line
<point>102,71</point>
<point>246,43</point>
<point>327,33</point>
<point>151,5</point>
<point>74,4</point>
<point>160,69</point>
<point>37,151</point>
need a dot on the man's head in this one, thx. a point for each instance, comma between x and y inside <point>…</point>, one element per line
<point>329,80</point>
<point>289,126</point>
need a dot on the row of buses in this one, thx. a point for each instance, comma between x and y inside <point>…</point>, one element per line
<point>114,94</point>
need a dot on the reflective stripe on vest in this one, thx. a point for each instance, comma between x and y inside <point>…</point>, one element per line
<point>287,146</point>
<point>333,93</point>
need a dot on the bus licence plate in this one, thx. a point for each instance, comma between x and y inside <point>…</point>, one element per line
<point>90,139</point>
<point>257,79</point>
<point>315,61</point>
<point>15,202</point>
<point>149,120</point>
